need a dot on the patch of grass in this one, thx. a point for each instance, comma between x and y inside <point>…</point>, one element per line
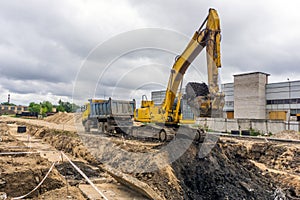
<point>254,132</point>
<point>270,134</point>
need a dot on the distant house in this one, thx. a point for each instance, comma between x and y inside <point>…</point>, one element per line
<point>13,109</point>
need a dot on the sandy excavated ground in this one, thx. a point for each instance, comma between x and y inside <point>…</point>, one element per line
<point>20,173</point>
<point>233,169</point>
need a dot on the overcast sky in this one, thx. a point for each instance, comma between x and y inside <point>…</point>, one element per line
<point>48,47</point>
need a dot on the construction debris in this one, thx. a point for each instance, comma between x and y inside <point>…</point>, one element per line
<point>292,135</point>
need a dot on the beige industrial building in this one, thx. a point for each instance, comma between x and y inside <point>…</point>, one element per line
<point>252,97</point>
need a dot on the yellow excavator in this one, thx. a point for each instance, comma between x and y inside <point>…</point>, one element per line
<point>168,114</point>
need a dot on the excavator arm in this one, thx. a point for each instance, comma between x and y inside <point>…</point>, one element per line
<point>208,37</point>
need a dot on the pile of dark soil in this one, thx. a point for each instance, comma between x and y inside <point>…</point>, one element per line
<point>223,174</point>
<point>70,172</point>
<point>234,170</point>
<point>229,171</point>
<point>194,89</point>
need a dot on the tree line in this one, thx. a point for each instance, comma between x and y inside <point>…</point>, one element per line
<point>46,107</point>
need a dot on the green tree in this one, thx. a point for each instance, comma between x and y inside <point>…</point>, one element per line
<point>46,107</point>
<point>34,107</point>
<point>66,106</point>
<point>60,108</point>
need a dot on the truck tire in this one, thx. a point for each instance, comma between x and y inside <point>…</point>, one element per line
<point>162,135</point>
<point>129,131</point>
<point>199,135</point>
<point>105,127</point>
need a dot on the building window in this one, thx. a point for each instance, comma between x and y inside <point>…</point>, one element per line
<point>229,103</point>
<point>283,101</point>
<point>287,101</point>
<point>294,112</point>
<point>293,101</point>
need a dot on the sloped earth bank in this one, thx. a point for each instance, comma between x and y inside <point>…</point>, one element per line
<point>232,170</point>
<point>229,172</point>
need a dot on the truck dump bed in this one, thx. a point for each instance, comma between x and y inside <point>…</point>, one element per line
<point>111,108</point>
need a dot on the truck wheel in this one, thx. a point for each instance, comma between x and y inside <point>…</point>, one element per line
<point>105,127</point>
<point>162,135</point>
<point>199,135</point>
<point>129,131</point>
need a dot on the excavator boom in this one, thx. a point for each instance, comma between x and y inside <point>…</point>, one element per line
<point>208,37</point>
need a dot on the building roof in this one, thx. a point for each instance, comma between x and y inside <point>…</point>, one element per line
<point>296,82</point>
<point>250,73</point>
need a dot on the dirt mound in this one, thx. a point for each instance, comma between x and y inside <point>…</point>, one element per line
<point>164,182</point>
<point>61,118</point>
<point>277,157</point>
<point>23,181</point>
<point>231,171</point>
<point>292,135</point>
<point>67,141</point>
<point>280,163</point>
<point>222,174</point>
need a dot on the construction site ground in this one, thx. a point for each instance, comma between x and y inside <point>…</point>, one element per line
<point>232,169</point>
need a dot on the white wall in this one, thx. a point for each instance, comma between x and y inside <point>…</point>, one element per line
<point>262,126</point>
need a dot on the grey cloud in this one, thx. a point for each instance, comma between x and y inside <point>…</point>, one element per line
<point>255,33</point>
<point>43,43</point>
<point>36,87</point>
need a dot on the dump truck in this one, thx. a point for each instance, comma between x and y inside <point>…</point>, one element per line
<point>108,116</point>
